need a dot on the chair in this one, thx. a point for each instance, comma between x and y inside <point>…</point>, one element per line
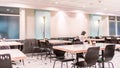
<point>45,48</point>
<point>108,55</point>
<point>35,47</point>
<point>48,49</point>
<point>91,58</point>
<point>114,40</point>
<point>5,61</point>
<point>97,37</point>
<point>60,56</point>
<point>77,41</point>
<point>4,47</point>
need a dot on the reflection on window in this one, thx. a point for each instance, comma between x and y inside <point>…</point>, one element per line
<point>118,28</point>
<point>112,28</point>
<point>9,27</point>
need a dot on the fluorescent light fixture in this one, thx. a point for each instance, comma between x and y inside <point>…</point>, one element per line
<point>51,8</point>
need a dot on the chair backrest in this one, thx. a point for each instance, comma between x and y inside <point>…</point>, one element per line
<point>97,37</point>
<point>4,47</point>
<point>59,53</point>
<point>47,44</point>
<point>109,52</point>
<point>113,39</point>
<point>92,55</point>
<point>5,61</point>
<point>77,41</point>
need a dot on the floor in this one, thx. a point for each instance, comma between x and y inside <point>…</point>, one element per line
<point>34,62</point>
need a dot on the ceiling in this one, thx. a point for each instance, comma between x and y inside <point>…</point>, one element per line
<point>89,6</point>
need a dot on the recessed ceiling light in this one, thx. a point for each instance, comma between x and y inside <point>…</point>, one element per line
<point>99,1</point>
<point>104,8</point>
<point>91,3</point>
<point>56,2</point>
<point>83,6</point>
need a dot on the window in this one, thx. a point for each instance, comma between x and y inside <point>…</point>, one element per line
<point>112,28</point>
<point>42,24</point>
<point>9,23</point>
<point>114,25</point>
<point>118,25</point>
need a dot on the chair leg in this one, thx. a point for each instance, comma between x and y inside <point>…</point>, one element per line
<point>108,65</point>
<point>95,66</point>
<point>112,64</point>
<point>67,64</point>
<point>99,64</point>
<point>50,55</point>
<point>22,61</point>
<point>54,64</point>
<point>40,55</point>
<point>61,64</point>
<point>73,66</point>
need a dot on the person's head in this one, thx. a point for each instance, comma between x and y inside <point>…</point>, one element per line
<point>83,33</point>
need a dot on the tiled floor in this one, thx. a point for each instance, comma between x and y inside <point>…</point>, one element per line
<point>33,62</point>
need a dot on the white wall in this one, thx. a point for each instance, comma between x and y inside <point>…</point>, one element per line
<point>105,25</point>
<point>22,24</point>
<point>30,23</point>
<point>63,24</point>
<point>68,24</point>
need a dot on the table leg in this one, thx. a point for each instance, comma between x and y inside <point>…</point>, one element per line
<point>103,59</point>
<point>22,61</point>
<point>77,59</point>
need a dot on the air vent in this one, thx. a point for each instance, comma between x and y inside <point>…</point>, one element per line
<point>9,10</point>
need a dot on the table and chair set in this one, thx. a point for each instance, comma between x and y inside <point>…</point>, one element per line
<point>91,51</point>
<point>8,55</point>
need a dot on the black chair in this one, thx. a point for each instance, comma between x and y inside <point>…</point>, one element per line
<point>108,55</point>
<point>91,58</point>
<point>97,37</point>
<point>5,61</point>
<point>4,47</point>
<point>77,41</point>
<point>48,49</point>
<point>60,56</point>
<point>114,40</point>
<point>35,47</point>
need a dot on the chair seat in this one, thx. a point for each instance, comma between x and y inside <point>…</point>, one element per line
<point>100,60</point>
<point>80,64</point>
<point>104,60</point>
<point>66,60</point>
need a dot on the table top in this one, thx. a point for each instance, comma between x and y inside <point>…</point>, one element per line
<point>57,41</point>
<point>10,43</point>
<point>15,54</point>
<point>101,39</point>
<point>79,48</point>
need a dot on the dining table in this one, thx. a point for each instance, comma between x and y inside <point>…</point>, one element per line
<point>81,48</point>
<point>55,42</point>
<point>14,44</point>
<point>10,43</point>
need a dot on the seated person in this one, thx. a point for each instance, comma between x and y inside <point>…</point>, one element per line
<point>83,37</point>
<point>77,40</point>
